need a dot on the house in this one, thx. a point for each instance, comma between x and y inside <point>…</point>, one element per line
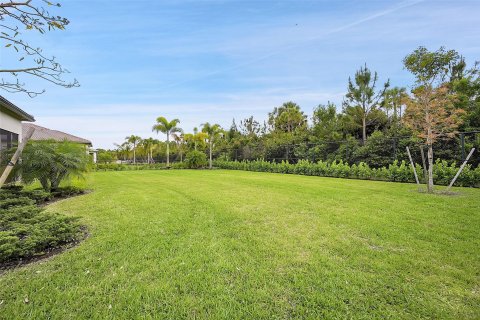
<point>11,118</point>
<point>42,133</point>
<point>12,129</point>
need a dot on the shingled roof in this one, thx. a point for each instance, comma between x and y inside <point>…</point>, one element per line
<point>15,111</point>
<point>42,133</point>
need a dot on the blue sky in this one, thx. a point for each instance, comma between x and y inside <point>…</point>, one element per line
<point>217,60</point>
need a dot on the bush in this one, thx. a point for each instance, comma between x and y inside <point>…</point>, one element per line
<point>68,191</point>
<point>196,159</point>
<point>50,162</point>
<point>395,172</point>
<point>26,230</point>
<point>38,195</point>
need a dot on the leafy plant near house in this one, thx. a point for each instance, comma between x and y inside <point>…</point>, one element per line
<point>51,162</point>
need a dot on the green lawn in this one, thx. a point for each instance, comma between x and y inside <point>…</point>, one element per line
<point>232,244</point>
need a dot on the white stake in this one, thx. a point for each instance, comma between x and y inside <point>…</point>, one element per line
<point>460,170</point>
<point>413,167</point>
<point>15,157</point>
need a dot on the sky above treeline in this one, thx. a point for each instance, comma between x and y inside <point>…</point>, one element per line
<point>213,61</point>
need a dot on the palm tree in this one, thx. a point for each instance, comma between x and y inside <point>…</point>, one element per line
<point>213,132</point>
<point>167,127</point>
<point>148,145</point>
<point>196,138</point>
<point>180,141</point>
<point>123,149</point>
<point>52,162</point>
<point>134,140</point>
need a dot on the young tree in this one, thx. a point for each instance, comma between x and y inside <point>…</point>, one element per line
<point>134,140</point>
<point>363,96</point>
<point>27,16</point>
<point>213,131</point>
<point>431,112</point>
<point>167,127</point>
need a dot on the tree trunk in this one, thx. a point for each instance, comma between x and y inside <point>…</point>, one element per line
<point>134,155</point>
<point>430,162</point>
<point>45,185</point>
<point>210,163</point>
<point>364,129</point>
<point>168,150</point>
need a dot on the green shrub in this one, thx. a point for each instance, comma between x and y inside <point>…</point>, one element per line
<point>68,191</point>
<point>15,202</point>
<point>396,171</point>
<point>38,195</point>
<point>196,159</point>
<point>26,230</point>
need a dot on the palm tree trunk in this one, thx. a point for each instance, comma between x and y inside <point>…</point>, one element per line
<point>210,163</point>
<point>430,163</point>
<point>168,149</point>
<point>134,155</point>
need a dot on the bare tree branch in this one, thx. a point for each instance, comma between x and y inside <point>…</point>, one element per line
<point>14,16</point>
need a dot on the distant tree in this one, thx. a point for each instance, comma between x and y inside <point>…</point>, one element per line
<point>197,138</point>
<point>148,145</point>
<point>351,121</point>
<point>22,16</point>
<point>233,132</point>
<point>250,127</point>
<point>105,156</point>
<point>466,85</point>
<point>134,140</point>
<point>363,96</point>
<point>123,150</point>
<point>431,112</point>
<point>167,127</point>
<point>393,100</point>
<point>287,118</point>
<point>214,132</point>
<point>179,139</point>
<point>326,123</point>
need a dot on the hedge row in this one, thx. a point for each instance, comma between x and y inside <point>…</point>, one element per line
<point>396,172</point>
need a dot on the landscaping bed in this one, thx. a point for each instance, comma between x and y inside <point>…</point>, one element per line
<point>28,232</point>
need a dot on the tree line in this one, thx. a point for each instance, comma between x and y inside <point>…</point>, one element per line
<point>374,123</point>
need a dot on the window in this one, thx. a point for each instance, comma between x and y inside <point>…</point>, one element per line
<point>8,139</point>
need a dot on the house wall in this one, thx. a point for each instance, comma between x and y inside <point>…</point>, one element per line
<point>9,123</point>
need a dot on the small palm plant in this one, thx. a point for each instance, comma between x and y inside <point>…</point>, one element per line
<point>134,140</point>
<point>167,127</point>
<point>213,132</point>
<point>51,162</point>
